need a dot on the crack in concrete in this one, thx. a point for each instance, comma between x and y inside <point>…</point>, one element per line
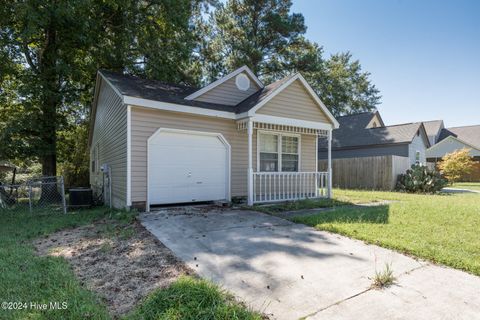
<point>357,294</point>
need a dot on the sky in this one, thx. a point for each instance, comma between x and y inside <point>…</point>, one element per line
<point>423,55</point>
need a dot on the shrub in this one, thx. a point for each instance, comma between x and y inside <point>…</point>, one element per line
<point>456,164</point>
<point>420,179</point>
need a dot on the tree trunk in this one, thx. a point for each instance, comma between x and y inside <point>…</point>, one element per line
<point>50,102</point>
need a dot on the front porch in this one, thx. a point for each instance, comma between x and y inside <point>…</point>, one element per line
<point>280,173</point>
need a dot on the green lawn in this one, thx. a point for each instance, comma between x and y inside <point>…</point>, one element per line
<point>467,185</point>
<point>26,277</point>
<point>441,228</point>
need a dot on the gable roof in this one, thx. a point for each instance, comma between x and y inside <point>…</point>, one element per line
<point>354,134</point>
<point>155,90</point>
<point>284,83</point>
<point>158,91</point>
<point>355,121</point>
<point>216,83</point>
<point>433,127</point>
<point>468,134</point>
<point>261,95</point>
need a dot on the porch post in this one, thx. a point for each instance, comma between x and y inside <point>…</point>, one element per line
<point>316,166</point>
<point>329,170</point>
<point>250,162</point>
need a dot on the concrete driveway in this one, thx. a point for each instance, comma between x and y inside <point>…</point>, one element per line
<point>290,271</point>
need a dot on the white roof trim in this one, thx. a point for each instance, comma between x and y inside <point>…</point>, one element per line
<point>93,111</point>
<point>139,102</point>
<point>214,84</point>
<point>452,138</point>
<point>312,93</point>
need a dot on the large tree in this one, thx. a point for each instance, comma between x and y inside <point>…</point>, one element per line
<point>50,52</point>
<point>266,36</point>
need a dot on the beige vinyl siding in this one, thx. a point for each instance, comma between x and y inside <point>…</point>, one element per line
<point>146,121</point>
<point>110,136</point>
<point>294,102</point>
<point>374,123</point>
<point>308,153</point>
<point>228,93</point>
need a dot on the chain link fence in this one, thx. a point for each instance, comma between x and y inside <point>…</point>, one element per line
<point>46,194</point>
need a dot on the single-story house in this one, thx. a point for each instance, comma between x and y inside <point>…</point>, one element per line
<point>365,135</point>
<point>161,143</point>
<point>452,139</point>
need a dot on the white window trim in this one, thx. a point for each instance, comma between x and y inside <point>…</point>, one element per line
<point>419,153</point>
<point>280,135</point>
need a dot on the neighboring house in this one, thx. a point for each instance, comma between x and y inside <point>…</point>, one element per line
<point>433,129</point>
<point>167,143</point>
<point>365,135</point>
<point>452,139</point>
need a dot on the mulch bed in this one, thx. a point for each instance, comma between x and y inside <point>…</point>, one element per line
<point>121,263</point>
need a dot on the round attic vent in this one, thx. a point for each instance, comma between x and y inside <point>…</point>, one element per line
<point>242,82</point>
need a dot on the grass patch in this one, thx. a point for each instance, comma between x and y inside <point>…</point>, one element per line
<point>28,277</point>
<point>298,205</point>
<point>439,228</point>
<point>467,185</point>
<point>191,299</point>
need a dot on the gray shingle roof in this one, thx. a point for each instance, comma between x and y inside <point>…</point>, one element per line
<point>158,91</point>
<point>357,121</point>
<point>166,92</point>
<point>432,127</point>
<point>353,132</point>
<point>468,134</point>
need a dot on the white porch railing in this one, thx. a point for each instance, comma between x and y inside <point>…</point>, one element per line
<point>284,186</point>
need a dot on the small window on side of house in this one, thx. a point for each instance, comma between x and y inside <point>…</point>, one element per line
<point>417,157</point>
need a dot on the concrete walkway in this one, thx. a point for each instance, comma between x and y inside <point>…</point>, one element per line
<point>459,190</point>
<point>290,271</point>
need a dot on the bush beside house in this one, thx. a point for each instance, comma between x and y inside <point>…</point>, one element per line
<point>420,179</point>
<point>457,165</point>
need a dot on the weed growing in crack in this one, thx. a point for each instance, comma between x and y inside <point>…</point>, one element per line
<point>383,278</point>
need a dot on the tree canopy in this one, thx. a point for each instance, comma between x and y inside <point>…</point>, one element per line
<point>51,50</point>
<point>266,36</point>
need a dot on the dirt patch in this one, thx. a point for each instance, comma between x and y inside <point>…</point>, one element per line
<point>122,263</point>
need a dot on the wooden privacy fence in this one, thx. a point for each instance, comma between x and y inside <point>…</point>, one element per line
<point>374,173</point>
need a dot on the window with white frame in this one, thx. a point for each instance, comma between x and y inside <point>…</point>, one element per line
<point>278,152</point>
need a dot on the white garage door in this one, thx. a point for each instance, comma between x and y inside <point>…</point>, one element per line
<point>187,167</point>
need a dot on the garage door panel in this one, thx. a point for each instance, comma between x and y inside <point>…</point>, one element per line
<point>187,167</point>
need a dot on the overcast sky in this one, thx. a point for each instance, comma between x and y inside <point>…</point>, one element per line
<point>423,55</point>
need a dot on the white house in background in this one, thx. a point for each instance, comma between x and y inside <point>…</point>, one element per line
<point>453,139</point>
